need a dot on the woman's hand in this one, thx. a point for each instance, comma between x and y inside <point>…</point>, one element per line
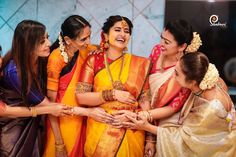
<point>121,116</point>
<point>100,115</point>
<point>136,123</point>
<point>60,150</point>
<point>57,109</point>
<point>124,97</point>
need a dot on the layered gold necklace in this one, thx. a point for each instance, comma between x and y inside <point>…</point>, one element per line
<point>115,84</point>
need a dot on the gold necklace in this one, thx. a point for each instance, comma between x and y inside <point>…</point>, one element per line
<point>115,84</point>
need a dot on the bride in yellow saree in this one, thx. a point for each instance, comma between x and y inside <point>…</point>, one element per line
<point>114,81</point>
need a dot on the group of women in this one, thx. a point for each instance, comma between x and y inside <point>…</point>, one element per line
<point>103,101</point>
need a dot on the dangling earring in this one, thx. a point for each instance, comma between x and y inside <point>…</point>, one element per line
<point>125,49</point>
<point>106,45</point>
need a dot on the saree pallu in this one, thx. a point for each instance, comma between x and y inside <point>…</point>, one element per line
<point>20,137</point>
<point>70,126</point>
<point>166,91</point>
<point>105,140</point>
<point>200,130</point>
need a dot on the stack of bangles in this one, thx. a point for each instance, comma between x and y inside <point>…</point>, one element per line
<point>60,147</point>
<point>33,111</point>
<point>108,95</point>
<point>148,115</point>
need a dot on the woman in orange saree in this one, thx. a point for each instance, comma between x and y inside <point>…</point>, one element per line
<point>64,64</point>
<point>114,81</point>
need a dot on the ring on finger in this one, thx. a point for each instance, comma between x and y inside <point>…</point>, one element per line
<point>72,111</point>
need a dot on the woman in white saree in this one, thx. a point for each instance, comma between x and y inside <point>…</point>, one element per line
<point>205,127</point>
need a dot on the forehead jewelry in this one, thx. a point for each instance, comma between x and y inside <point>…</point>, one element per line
<point>123,23</point>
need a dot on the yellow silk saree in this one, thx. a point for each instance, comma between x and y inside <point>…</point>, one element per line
<point>63,80</point>
<point>103,139</point>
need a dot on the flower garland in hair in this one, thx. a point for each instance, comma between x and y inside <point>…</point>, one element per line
<point>62,49</point>
<point>195,43</point>
<point>210,79</point>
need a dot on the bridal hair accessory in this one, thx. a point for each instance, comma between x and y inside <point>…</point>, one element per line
<point>62,49</point>
<point>210,79</point>
<point>195,43</point>
<point>103,44</point>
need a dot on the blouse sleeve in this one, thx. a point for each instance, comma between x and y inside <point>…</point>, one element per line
<point>180,99</point>
<point>154,57</point>
<point>54,67</point>
<point>11,77</point>
<point>85,83</point>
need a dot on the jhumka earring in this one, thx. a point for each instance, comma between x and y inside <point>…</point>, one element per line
<point>106,44</point>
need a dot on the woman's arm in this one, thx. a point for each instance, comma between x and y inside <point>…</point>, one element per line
<point>89,98</point>
<point>43,108</point>
<point>97,98</point>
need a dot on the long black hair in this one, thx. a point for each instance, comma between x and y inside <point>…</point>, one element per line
<point>71,27</point>
<point>26,39</point>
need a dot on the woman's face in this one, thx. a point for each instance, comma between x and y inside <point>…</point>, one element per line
<point>43,50</point>
<point>83,40</point>
<point>169,45</point>
<point>180,77</point>
<point>119,35</point>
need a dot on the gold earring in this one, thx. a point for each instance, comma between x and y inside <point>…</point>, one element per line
<point>126,49</point>
<point>106,45</point>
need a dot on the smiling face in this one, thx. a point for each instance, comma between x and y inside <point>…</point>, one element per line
<point>43,49</point>
<point>81,41</point>
<point>118,36</point>
<point>169,45</point>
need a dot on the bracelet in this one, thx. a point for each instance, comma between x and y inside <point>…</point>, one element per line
<point>33,111</point>
<point>101,97</point>
<point>150,116</point>
<point>107,95</point>
<point>60,147</point>
<point>113,94</point>
<point>72,111</point>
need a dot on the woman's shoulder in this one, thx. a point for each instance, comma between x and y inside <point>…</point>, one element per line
<point>219,95</point>
<point>138,57</point>
<point>156,50</point>
<point>55,55</point>
<point>10,67</point>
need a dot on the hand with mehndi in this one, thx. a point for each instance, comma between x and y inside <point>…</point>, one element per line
<point>137,123</point>
<point>124,97</point>
<point>121,116</point>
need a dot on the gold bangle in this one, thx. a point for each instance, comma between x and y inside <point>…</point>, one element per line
<point>107,95</point>
<point>101,97</point>
<point>150,116</point>
<point>33,112</point>
<point>60,147</point>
